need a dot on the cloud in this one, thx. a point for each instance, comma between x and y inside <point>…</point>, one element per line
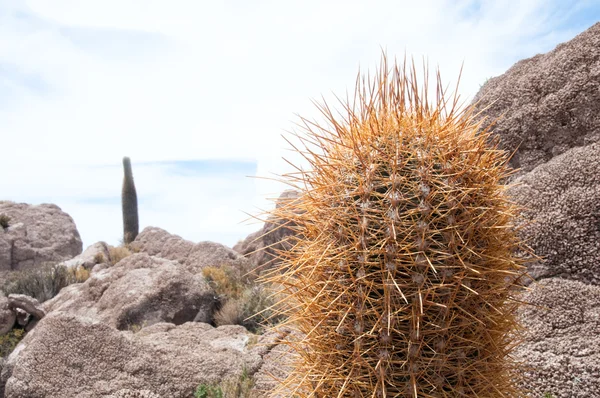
<point>85,83</point>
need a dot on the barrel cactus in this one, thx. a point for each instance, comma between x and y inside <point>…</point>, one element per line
<point>404,269</point>
<point>129,204</point>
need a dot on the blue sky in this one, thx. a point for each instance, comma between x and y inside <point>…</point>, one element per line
<point>198,94</point>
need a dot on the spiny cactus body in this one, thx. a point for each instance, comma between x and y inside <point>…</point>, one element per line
<point>129,204</point>
<point>403,271</point>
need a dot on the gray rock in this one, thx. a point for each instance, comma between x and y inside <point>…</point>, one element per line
<point>562,214</point>
<point>36,235</point>
<point>72,356</point>
<point>7,316</point>
<point>27,304</point>
<point>549,103</point>
<point>97,253</point>
<point>194,256</point>
<point>561,342</point>
<point>140,290</point>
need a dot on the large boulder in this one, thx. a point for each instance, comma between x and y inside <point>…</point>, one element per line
<point>36,235</point>
<point>561,201</point>
<point>71,356</point>
<point>261,247</point>
<point>194,256</point>
<point>140,290</point>
<point>547,104</point>
<point>562,339</point>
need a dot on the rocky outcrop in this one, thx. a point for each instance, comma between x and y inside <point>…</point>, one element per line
<point>36,235</point>
<point>140,290</point>
<point>561,222</point>
<point>194,256</point>
<point>562,343</point>
<point>71,356</point>
<point>97,253</point>
<point>27,304</point>
<point>549,103</point>
<point>261,247</point>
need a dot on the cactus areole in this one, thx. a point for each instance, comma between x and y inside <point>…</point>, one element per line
<point>403,272</point>
<point>129,204</point>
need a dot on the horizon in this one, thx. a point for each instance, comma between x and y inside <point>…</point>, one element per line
<point>199,96</point>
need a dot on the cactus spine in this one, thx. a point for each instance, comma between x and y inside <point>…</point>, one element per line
<point>403,273</point>
<point>129,204</point>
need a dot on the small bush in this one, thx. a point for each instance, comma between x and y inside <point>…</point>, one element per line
<point>232,388</point>
<point>118,253</point>
<point>43,283</point>
<point>208,391</point>
<point>9,341</point>
<point>244,302</point>
<point>4,221</point>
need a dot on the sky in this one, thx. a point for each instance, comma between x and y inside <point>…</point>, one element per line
<point>199,94</point>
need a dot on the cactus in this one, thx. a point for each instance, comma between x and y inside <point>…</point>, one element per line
<point>404,267</point>
<point>129,204</point>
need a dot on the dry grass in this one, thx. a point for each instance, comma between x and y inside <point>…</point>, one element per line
<point>118,253</point>
<point>243,301</point>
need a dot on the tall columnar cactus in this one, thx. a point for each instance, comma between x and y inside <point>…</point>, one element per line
<point>129,204</point>
<point>404,269</point>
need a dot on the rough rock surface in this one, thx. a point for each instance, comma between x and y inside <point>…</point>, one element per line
<point>548,103</point>
<point>28,304</point>
<point>261,246</point>
<point>36,235</point>
<point>7,316</point>
<point>139,290</point>
<point>95,254</point>
<point>72,356</point>
<point>562,202</point>
<point>194,256</point>
<point>562,343</point>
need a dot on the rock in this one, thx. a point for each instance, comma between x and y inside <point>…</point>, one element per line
<point>72,356</point>
<point>549,103</point>
<point>97,253</point>
<point>194,256</point>
<point>7,316</point>
<point>261,246</point>
<point>27,304</point>
<point>133,394</point>
<point>562,343</point>
<point>140,290</point>
<point>36,235</point>
<point>562,214</point>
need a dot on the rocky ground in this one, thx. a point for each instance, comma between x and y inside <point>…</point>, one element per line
<point>141,321</point>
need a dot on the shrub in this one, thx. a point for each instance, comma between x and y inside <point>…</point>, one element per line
<point>4,221</point>
<point>43,283</point>
<point>244,302</point>
<point>118,253</point>
<point>9,341</point>
<point>208,391</point>
<point>240,387</point>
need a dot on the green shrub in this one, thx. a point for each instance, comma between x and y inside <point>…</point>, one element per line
<point>43,283</point>
<point>9,341</point>
<point>240,387</point>
<point>208,391</point>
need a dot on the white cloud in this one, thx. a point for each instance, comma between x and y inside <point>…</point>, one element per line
<point>182,80</point>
